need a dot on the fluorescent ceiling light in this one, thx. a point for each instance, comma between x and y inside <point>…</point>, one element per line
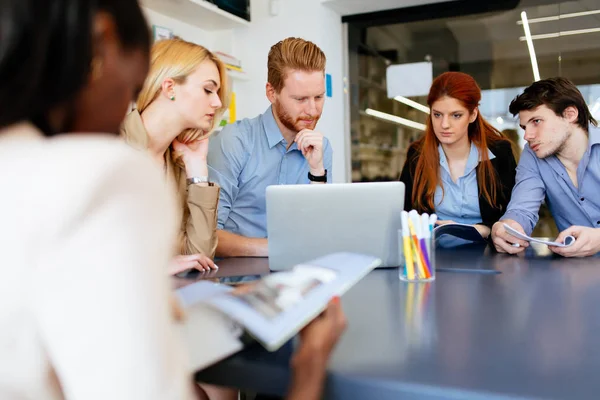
<point>412,104</point>
<point>395,119</point>
<point>534,64</point>
<point>562,33</point>
<point>559,17</point>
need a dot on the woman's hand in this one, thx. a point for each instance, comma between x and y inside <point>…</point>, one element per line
<point>444,222</point>
<point>193,155</point>
<point>317,341</point>
<point>194,261</point>
<point>483,230</point>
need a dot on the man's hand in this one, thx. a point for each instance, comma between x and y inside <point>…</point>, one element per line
<point>310,143</point>
<point>194,156</point>
<point>587,242</point>
<point>194,261</point>
<point>503,241</point>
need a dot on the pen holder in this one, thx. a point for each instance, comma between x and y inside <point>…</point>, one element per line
<point>417,260</point>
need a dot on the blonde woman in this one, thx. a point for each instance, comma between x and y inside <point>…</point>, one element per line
<point>179,105</point>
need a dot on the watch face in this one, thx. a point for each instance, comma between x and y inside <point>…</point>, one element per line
<point>195,179</point>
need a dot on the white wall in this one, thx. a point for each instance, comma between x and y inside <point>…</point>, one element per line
<point>310,20</point>
<point>187,32</point>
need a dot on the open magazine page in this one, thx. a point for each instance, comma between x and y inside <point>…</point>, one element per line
<point>455,234</point>
<point>203,324</point>
<point>275,308</point>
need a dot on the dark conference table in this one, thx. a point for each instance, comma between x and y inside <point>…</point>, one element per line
<point>524,327</point>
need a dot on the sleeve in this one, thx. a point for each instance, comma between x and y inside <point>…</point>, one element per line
<point>227,156</point>
<point>201,224</point>
<point>328,160</point>
<point>406,177</point>
<point>528,193</point>
<point>102,298</point>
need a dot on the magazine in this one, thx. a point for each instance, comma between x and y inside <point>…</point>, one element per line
<point>569,240</point>
<point>275,308</point>
<point>462,231</point>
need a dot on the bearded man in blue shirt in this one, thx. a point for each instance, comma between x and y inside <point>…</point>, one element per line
<point>279,147</point>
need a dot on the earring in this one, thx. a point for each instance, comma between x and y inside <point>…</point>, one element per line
<point>172,98</point>
<point>96,68</point>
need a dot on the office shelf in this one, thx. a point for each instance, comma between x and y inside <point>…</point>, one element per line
<point>237,75</point>
<point>200,13</point>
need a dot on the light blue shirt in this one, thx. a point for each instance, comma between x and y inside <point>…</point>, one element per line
<point>246,157</point>
<point>459,201</point>
<point>548,178</point>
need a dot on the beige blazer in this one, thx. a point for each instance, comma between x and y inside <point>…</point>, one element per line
<point>85,298</point>
<point>198,204</point>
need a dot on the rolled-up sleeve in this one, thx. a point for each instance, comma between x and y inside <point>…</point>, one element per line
<point>201,223</point>
<point>528,193</point>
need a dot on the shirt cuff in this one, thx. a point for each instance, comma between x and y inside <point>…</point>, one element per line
<point>204,196</point>
<point>525,222</point>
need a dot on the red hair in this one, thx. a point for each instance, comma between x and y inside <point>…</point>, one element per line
<point>463,88</point>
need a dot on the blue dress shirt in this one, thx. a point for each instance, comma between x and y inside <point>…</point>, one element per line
<point>246,157</point>
<point>459,201</point>
<point>548,178</point>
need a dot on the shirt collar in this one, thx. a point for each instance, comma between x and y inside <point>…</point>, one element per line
<point>272,131</point>
<point>594,135</point>
<point>472,161</point>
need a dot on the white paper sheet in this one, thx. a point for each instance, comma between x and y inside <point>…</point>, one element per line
<point>569,240</point>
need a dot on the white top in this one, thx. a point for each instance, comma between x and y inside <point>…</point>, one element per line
<point>86,229</point>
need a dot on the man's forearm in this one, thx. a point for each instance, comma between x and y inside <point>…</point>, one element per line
<point>232,245</point>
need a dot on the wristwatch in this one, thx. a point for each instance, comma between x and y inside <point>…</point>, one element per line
<point>313,178</point>
<point>199,179</point>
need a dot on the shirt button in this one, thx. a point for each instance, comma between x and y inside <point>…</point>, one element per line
<point>582,199</point>
<point>598,222</point>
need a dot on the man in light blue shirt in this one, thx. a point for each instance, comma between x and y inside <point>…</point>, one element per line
<point>279,147</point>
<point>560,163</point>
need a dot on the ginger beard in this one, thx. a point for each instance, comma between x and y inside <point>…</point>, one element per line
<point>295,124</point>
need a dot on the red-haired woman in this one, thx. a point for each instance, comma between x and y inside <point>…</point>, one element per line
<point>463,169</point>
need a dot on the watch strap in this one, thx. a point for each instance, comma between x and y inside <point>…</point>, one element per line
<point>322,178</point>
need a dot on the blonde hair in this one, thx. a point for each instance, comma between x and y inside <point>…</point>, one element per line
<point>293,53</point>
<point>176,59</point>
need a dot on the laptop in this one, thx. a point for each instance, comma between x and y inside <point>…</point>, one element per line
<point>309,221</point>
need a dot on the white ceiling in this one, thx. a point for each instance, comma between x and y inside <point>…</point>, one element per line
<point>350,7</point>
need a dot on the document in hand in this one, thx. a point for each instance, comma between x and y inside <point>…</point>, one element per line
<point>462,231</point>
<point>277,307</point>
<point>569,240</point>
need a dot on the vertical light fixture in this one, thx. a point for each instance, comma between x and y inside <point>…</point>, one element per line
<point>534,64</point>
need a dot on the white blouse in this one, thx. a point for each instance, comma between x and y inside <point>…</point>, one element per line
<point>86,232</point>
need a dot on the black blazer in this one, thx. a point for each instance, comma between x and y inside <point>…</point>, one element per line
<point>504,164</point>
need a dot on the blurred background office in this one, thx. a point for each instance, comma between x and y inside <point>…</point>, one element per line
<point>368,129</point>
<point>484,39</point>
